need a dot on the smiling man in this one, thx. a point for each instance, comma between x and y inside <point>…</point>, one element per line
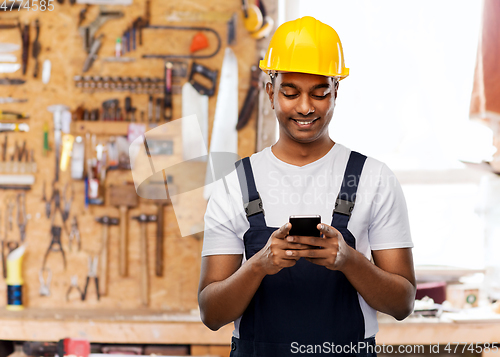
<point>252,269</point>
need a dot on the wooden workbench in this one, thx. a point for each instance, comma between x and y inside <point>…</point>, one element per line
<point>155,327</point>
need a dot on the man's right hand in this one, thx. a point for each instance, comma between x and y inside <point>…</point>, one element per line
<point>273,257</point>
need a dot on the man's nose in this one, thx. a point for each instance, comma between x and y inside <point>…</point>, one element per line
<point>305,105</point>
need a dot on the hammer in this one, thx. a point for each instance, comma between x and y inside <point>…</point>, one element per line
<point>144,219</point>
<point>105,221</point>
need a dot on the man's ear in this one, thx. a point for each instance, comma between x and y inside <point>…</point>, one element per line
<point>336,88</point>
<point>270,93</point>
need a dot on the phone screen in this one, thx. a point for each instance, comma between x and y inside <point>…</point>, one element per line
<point>305,225</point>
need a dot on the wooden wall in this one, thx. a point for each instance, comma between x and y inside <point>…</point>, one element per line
<point>62,44</point>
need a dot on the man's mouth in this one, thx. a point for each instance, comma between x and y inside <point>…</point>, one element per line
<point>304,123</point>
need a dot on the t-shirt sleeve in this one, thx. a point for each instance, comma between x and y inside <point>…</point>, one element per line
<point>389,224</point>
<point>220,235</point>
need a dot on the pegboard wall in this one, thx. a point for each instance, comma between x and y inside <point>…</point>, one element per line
<point>62,44</point>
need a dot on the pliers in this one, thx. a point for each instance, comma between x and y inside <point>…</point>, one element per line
<point>92,273</point>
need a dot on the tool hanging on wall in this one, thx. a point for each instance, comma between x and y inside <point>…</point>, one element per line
<point>224,136</point>
<point>44,283</point>
<point>22,217</point>
<point>25,36</point>
<point>9,67</point>
<point>15,279</point>
<point>57,112</point>
<point>4,100</point>
<point>144,220</point>
<point>9,47</point>
<point>92,274</point>
<point>199,42</point>
<point>211,75</point>
<point>123,197</point>
<point>251,98</point>
<point>55,246</point>
<point>167,99</point>
<point>74,234</point>
<point>88,33</point>
<point>106,221</point>
<point>92,56</point>
<point>74,285</point>
<point>7,127</point>
<point>185,28</point>
<point>11,81</point>
<point>8,115</point>
<point>136,85</point>
<point>36,48</point>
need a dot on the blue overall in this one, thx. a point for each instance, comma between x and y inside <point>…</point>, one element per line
<point>306,304</point>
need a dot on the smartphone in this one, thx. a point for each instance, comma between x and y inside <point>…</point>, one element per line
<point>305,225</point>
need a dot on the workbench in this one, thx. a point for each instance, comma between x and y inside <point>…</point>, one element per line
<point>160,327</point>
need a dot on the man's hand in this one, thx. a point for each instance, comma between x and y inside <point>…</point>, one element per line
<point>334,252</point>
<point>273,256</point>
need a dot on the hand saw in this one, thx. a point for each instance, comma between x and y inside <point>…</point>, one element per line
<point>224,135</point>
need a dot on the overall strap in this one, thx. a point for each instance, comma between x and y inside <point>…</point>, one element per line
<point>251,198</point>
<point>347,195</point>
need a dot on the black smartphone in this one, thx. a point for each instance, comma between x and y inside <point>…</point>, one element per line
<point>305,225</point>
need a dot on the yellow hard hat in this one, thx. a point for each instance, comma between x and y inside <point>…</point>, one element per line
<point>305,45</point>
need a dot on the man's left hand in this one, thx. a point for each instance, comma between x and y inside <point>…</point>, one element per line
<point>334,252</point>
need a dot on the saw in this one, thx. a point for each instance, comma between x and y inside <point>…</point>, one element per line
<point>224,134</point>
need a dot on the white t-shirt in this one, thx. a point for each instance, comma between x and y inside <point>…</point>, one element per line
<point>379,219</point>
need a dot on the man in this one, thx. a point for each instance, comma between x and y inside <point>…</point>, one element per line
<point>252,272</point>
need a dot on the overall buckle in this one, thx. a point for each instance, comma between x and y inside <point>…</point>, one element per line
<point>343,207</point>
<point>254,207</point>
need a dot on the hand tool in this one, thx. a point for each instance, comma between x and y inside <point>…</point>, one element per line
<point>81,15</point>
<point>106,222</point>
<point>167,100</point>
<point>9,47</point>
<point>74,285</point>
<point>211,75</point>
<point>96,45</point>
<point>11,81</point>
<point>194,145</point>
<point>67,147</point>
<point>46,146</point>
<point>5,100</point>
<point>8,58</point>
<point>78,159</point>
<point>143,22</point>
<point>15,279</point>
<point>36,48</point>
<point>74,234</point>
<point>123,197</point>
<point>250,100</point>
<point>56,198</point>
<point>25,35</point>
<point>88,32</point>
<point>224,136</point>
<point>231,30</point>
<point>6,26</point>
<point>67,201</point>
<point>57,112</point>
<point>9,67</point>
<point>46,68</point>
<point>4,148</point>
<point>7,115</point>
<point>198,16</point>
<point>22,219</point>
<point>158,111</point>
<point>7,127</point>
<point>185,28</point>
<point>144,220</point>
<point>158,190</point>
<point>44,284</point>
<point>150,109</point>
<point>128,108</point>
<point>55,245</point>
<point>47,203</point>
<point>92,274</point>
